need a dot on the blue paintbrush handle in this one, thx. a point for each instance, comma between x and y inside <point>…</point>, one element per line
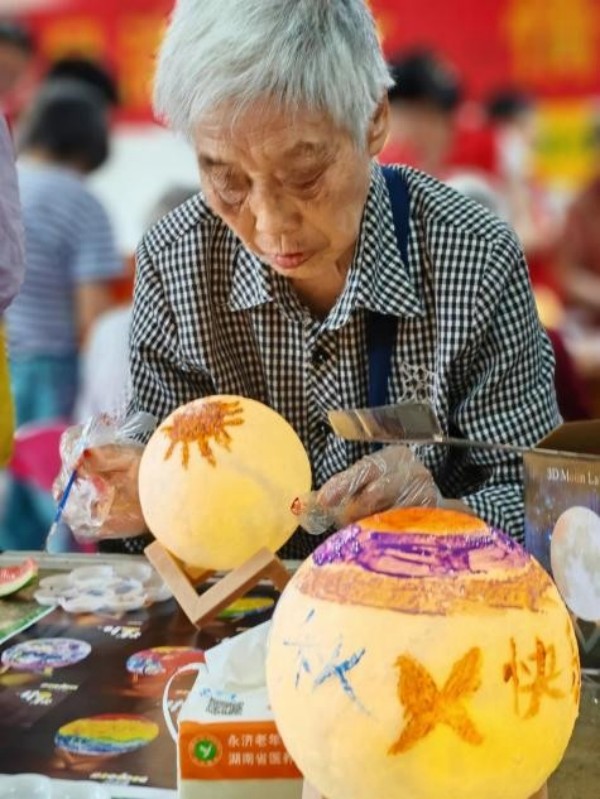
<point>65,496</point>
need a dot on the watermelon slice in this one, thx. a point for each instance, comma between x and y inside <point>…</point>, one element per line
<point>13,578</point>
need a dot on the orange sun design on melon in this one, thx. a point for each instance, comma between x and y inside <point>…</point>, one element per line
<point>208,421</point>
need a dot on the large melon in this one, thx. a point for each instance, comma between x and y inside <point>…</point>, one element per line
<point>421,654</point>
<point>218,478</point>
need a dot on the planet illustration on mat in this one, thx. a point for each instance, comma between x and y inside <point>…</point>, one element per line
<point>150,669</point>
<point>246,607</point>
<point>421,653</point>
<point>162,660</point>
<point>104,736</point>
<point>45,653</point>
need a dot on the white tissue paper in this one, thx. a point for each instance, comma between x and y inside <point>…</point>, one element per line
<point>228,745</point>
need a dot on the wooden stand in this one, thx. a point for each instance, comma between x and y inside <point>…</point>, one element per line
<point>183,579</point>
<point>310,792</point>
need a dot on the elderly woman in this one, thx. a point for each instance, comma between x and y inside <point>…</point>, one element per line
<point>305,276</point>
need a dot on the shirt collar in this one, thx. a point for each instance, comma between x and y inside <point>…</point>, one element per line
<point>385,283</point>
<point>250,284</point>
<point>378,279</point>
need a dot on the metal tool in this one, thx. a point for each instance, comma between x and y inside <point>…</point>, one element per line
<point>405,423</point>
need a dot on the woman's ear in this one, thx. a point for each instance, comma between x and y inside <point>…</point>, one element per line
<point>379,127</point>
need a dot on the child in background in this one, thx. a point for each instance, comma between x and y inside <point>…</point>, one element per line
<point>104,385</point>
<point>71,257</point>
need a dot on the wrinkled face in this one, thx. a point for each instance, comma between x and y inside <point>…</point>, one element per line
<point>292,188</point>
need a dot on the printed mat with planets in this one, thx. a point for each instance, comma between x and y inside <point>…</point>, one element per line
<point>81,695</point>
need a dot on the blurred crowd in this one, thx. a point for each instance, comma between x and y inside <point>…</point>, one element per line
<point>487,150</point>
<point>66,317</point>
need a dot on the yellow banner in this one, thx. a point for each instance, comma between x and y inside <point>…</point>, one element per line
<point>568,151</point>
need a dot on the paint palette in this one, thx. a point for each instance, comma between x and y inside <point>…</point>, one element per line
<point>114,589</point>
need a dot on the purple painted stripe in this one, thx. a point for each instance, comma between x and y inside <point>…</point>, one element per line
<point>420,554</point>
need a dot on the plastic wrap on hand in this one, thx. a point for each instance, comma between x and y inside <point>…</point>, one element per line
<point>104,452</point>
<point>392,477</point>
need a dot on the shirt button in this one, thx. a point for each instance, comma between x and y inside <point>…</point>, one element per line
<point>319,356</point>
<point>324,428</point>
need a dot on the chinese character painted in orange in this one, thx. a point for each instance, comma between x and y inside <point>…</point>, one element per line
<point>533,676</point>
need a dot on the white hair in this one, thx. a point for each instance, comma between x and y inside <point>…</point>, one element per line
<point>320,55</point>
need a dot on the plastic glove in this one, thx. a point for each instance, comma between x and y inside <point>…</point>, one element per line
<point>104,501</point>
<point>392,477</point>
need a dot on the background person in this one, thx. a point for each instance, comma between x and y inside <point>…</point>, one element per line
<point>105,382</point>
<point>270,282</point>
<point>424,101</point>
<point>71,256</point>
<point>86,70</point>
<point>17,50</point>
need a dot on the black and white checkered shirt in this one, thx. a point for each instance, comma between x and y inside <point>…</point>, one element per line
<point>210,318</point>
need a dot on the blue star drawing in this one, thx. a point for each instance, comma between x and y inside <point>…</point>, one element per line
<point>338,669</point>
<point>335,668</point>
<point>303,662</point>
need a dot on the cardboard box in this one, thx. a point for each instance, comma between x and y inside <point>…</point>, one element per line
<point>562,523</point>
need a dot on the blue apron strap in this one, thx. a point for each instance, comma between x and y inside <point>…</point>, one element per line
<point>381,328</point>
<point>400,202</point>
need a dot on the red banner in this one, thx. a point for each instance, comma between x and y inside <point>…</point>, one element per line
<point>123,34</point>
<point>550,47</point>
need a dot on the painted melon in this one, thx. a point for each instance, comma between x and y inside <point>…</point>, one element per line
<point>421,654</point>
<point>218,478</point>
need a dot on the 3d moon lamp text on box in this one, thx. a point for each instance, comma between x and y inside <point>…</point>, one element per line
<point>421,654</point>
<point>218,478</point>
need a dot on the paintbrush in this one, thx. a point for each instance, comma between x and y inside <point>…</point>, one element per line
<point>59,511</point>
<point>52,532</point>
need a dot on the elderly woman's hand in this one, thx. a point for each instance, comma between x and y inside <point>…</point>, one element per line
<point>393,477</point>
<point>104,501</point>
